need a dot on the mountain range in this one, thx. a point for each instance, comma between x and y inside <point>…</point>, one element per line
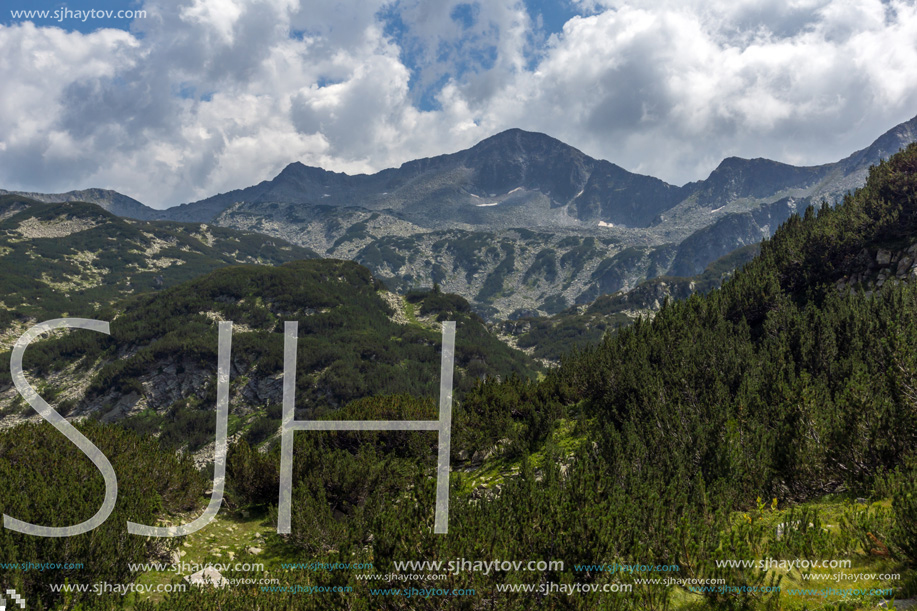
<point>521,223</point>
<point>794,381</point>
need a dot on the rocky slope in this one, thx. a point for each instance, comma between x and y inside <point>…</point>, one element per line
<point>156,372</point>
<point>873,267</point>
<point>76,259</point>
<point>520,207</point>
<point>512,179</point>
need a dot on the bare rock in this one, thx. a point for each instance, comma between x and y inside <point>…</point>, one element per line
<point>900,603</point>
<point>480,456</point>
<point>207,577</point>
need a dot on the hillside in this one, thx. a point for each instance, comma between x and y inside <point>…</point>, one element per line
<point>76,258</point>
<point>578,327</point>
<point>111,201</point>
<point>156,372</point>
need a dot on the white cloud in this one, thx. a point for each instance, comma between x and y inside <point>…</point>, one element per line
<point>670,88</point>
<point>205,96</point>
<point>32,64</point>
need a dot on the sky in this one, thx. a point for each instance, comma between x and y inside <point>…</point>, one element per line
<point>171,101</point>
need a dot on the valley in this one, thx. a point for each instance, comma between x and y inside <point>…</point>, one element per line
<point>762,408</point>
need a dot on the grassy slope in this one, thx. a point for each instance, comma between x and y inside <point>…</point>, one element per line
<point>76,258</point>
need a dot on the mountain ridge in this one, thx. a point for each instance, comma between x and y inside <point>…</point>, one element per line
<point>108,199</point>
<point>493,173</point>
<point>395,220</point>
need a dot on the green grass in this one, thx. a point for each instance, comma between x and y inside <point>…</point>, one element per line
<point>833,512</point>
<point>409,312</point>
<point>494,470</point>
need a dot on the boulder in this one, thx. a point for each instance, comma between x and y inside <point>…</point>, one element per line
<point>480,456</point>
<point>207,577</point>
